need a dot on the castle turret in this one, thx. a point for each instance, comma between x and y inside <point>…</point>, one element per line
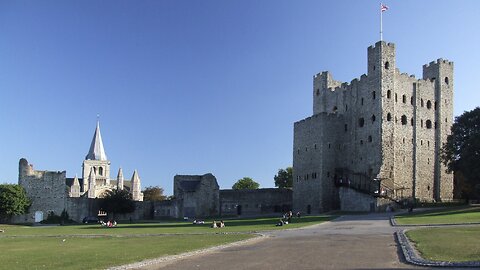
<point>75,188</point>
<point>24,169</point>
<point>120,179</point>
<point>91,184</point>
<point>136,190</point>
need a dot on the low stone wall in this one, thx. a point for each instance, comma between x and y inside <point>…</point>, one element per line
<point>255,202</point>
<point>352,200</point>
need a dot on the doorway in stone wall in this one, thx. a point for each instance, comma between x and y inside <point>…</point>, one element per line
<point>239,210</point>
<point>309,209</point>
<point>38,216</point>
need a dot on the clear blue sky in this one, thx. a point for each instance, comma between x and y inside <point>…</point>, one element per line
<point>191,87</point>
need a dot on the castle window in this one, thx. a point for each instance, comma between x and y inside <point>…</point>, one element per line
<point>346,127</point>
<point>328,174</point>
<point>411,121</point>
<point>421,102</point>
<point>396,120</point>
<point>435,124</point>
<point>387,65</point>
<point>329,145</point>
<point>421,142</point>
<point>318,92</point>
<point>389,117</point>
<point>446,80</point>
<point>435,105</point>
<point>429,104</point>
<point>403,140</point>
<point>315,146</point>
<point>404,119</point>
<point>404,99</point>
<point>389,94</point>
<point>421,123</point>
<point>411,100</point>
<point>362,101</point>
<point>334,109</point>
<point>428,143</point>
<point>346,107</point>
<point>428,124</point>
<point>361,122</point>
<point>373,67</point>
<point>298,151</point>
<point>361,142</point>
<point>396,97</point>
<point>100,171</point>
<point>373,118</point>
<point>306,149</point>
<point>373,94</point>
<point>446,120</point>
<point>370,139</point>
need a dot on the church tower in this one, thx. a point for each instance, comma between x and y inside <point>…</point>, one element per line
<point>96,161</point>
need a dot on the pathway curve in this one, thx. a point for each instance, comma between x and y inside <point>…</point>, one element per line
<point>349,242</point>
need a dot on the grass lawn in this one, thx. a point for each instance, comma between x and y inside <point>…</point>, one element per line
<point>441,216</point>
<point>237,225</point>
<point>99,252</point>
<point>95,247</point>
<point>447,244</point>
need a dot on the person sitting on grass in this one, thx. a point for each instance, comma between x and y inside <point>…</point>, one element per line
<point>214,224</point>
<point>222,225</point>
<point>280,223</point>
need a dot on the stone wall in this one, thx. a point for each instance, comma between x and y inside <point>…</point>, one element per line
<point>255,202</point>
<point>196,195</point>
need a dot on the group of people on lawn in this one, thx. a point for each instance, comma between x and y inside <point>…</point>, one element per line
<point>108,224</point>
<point>287,218</point>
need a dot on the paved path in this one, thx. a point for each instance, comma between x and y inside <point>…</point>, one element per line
<point>349,242</point>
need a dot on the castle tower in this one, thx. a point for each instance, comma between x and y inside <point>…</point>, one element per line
<point>136,190</point>
<point>75,188</point>
<point>96,159</point>
<point>91,184</point>
<point>120,179</point>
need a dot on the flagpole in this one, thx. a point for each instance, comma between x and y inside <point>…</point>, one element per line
<point>381,22</point>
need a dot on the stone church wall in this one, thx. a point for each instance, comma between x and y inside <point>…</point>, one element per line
<point>255,202</point>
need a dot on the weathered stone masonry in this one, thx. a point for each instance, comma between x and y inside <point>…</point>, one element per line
<point>385,125</point>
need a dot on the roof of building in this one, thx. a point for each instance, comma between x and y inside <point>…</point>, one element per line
<point>96,152</point>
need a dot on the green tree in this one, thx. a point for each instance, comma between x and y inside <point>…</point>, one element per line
<point>284,178</point>
<point>153,193</point>
<point>117,202</point>
<point>246,183</point>
<point>461,152</point>
<point>13,200</point>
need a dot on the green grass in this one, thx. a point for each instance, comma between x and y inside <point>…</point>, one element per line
<point>447,244</point>
<point>441,216</point>
<point>238,225</point>
<point>95,247</point>
<point>98,252</point>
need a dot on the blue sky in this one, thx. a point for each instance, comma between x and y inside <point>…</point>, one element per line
<point>191,87</point>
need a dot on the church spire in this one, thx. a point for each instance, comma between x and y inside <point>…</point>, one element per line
<point>96,152</point>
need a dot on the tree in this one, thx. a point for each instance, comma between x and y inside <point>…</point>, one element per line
<point>246,183</point>
<point>154,194</point>
<point>117,201</point>
<point>13,200</point>
<point>461,152</point>
<point>284,178</point>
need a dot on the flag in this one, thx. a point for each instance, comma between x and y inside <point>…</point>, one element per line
<point>383,7</point>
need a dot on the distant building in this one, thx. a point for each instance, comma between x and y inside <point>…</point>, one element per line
<point>50,190</point>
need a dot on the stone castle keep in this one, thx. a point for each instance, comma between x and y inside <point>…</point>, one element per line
<point>379,135</point>
<point>368,144</point>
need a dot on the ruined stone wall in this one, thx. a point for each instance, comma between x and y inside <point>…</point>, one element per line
<point>255,202</point>
<point>201,202</point>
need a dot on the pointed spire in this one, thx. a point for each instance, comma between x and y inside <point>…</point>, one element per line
<point>135,177</point>
<point>120,179</point>
<point>75,181</point>
<point>91,184</point>
<point>96,152</point>
<point>136,189</point>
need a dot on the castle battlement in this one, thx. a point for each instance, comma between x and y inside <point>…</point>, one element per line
<point>377,45</point>
<point>439,61</point>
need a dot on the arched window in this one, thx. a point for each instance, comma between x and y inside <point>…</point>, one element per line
<point>404,120</point>
<point>428,124</point>
<point>411,101</point>
<point>370,139</point>
<point>100,171</point>
<point>373,94</point>
<point>404,99</point>
<point>389,94</point>
<point>446,80</point>
<point>387,65</point>
<point>362,101</point>
<point>318,92</point>
<point>421,102</point>
<point>429,104</point>
<point>334,109</point>
<point>389,117</point>
<point>373,118</point>
<point>361,122</point>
